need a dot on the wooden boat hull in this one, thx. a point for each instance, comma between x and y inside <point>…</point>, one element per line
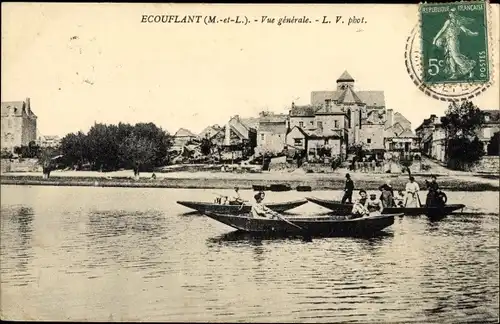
<point>345,209</point>
<point>303,188</point>
<point>260,188</point>
<point>318,226</point>
<point>279,187</point>
<point>239,209</point>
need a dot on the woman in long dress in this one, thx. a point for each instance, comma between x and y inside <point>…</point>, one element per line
<point>456,63</point>
<point>412,189</point>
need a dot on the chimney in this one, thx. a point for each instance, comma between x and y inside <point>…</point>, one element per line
<point>293,104</point>
<point>28,103</point>
<point>389,121</point>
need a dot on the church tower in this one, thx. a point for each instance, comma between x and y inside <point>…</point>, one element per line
<point>345,81</point>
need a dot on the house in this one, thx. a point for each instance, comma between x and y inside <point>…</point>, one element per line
<point>210,131</point>
<point>271,132</point>
<point>48,140</point>
<point>240,136</point>
<point>432,137</point>
<point>18,123</point>
<point>316,143</point>
<point>490,126</point>
<point>398,139</point>
<point>182,137</point>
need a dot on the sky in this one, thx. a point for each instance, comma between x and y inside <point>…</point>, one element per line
<point>86,63</point>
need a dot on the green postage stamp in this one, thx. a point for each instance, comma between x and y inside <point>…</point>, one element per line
<point>454,40</point>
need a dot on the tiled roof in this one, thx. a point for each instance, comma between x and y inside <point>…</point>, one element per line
<point>370,98</point>
<point>320,133</point>
<point>273,119</point>
<point>345,77</point>
<point>182,132</point>
<point>331,110</point>
<point>304,111</point>
<point>348,96</point>
<point>278,128</point>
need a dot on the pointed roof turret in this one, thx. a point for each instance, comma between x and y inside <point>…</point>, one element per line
<point>345,77</point>
<point>348,96</point>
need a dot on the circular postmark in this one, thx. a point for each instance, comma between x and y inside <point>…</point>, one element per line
<point>444,92</point>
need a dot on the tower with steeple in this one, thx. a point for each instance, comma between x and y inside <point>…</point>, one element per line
<point>345,81</point>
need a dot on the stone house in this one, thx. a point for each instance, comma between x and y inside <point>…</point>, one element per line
<point>19,124</point>
<point>272,130</point>
<point>182,137</point>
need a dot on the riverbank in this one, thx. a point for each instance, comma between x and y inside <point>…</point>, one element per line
<point>226,180</point>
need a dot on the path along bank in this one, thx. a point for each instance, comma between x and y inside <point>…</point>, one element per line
<point>225,180</point>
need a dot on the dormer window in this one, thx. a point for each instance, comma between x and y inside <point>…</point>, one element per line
<point>486,118</point>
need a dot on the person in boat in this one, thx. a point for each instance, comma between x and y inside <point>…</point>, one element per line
<point>374,205</point>
<point>432,194</point>
<point>399,199</point>
<point>349,188</point>
<point>386,197</point>
<point>236,198</point>
<point>259,210</point>
<point>359,209</point>
<point>412,199</point>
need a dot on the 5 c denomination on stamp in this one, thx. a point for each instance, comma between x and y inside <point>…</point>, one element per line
<point>454,42</point>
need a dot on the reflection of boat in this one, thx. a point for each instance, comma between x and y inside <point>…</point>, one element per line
<point>240,209</point>
<point>280,187</point>
<point>345,209</point>
<point>303,188</point>
<point>321,226</point>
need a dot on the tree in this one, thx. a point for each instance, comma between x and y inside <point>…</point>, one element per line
<point>206,146</point>
<point>136,149</point>
<point>461,123</point>
<point>494,145</point>
<point>75,149</point>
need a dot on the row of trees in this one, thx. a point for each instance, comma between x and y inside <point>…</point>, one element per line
<point>111,147</point>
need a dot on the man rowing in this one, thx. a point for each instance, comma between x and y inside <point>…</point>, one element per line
<point>236,198</point>
<point>349,188</point>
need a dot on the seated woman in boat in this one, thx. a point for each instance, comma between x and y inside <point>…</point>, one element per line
<point>399,199</point>
<point>374,205</point>
<point>359,209</point>
<point>259,210</point>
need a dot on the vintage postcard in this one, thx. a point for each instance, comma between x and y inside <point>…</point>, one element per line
<point>250,163</point>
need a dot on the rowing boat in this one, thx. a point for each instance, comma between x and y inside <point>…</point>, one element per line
<point>317,226</point>
<point>345,209</point>
<point>239,209</point>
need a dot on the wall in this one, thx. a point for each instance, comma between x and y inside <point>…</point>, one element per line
<point>488,164</point>
<point>295,134</point>
<point>28,130</point>
<point>307,121</point>
<point>316,143</point>
<point>329,121</point>
<point>375,133</point>
<point>270,142</point>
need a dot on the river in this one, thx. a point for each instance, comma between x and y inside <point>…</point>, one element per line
<point>97,254</point>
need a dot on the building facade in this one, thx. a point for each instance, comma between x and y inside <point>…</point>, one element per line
<point>182,137</point>
<point>271,133</point>
<point>19,124</point>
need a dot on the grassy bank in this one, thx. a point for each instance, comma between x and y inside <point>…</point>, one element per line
<point>365,181</point>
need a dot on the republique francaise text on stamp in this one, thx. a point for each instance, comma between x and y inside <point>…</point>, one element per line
<point>454,42</point>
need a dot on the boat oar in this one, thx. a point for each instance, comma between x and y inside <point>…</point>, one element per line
<point>286,220</point>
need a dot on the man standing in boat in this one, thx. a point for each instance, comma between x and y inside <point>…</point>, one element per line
<point>412,189</point>
<point>349,188</point>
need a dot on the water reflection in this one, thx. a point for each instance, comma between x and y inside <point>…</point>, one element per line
<point>19,243</point>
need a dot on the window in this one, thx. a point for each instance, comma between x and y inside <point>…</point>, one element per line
<point>297,141</point>
<point>262,136</point>
<point>301,124</point>
<point>368,140</point>
<point>9,123</point>
<point>320,124</point>
<point>312,122</point>
<point>336,124</point>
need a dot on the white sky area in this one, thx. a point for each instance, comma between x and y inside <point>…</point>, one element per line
<point>194,75</point>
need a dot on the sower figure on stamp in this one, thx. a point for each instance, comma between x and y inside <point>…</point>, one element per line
<point>349,188</point>
<point>457,64</point>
